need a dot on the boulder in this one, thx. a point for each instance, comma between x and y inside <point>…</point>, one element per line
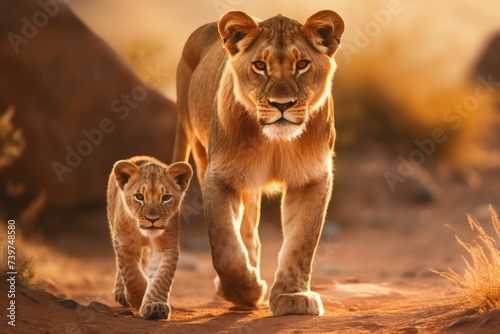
<point>78,106</point>
<point>489,60</point>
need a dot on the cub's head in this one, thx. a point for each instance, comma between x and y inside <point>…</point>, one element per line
<point>282,69</point>
<point>152,191</point>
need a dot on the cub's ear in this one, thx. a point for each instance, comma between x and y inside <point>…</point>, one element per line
<point>124,170</point>
<point>324,29</point>
<point>237,30</point>
<point>181,172</point>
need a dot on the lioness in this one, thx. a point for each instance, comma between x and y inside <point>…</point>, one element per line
<point>255,112</point>
<point>144,199</point>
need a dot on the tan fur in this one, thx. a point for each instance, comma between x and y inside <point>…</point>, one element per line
<point>258,112</point>
<point>148,226</point>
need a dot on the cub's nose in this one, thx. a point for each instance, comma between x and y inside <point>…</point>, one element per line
<point>282,106</point>
<point>152,220</point>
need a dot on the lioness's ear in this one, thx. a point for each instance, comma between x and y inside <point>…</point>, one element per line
<point>124,170</point>
<point>324,29</point>
<point>237,30</point>
<point>181,172</point>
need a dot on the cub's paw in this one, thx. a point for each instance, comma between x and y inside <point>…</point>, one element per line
<point>155,311</point>
<point>304,303</point>
<point>249,294</point>
<point>121,298</point>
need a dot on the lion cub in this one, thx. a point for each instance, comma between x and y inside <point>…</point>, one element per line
<point>144,199</point>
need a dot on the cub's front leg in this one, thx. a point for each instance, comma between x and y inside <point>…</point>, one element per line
<point>132,276</point>
<point>303,214</point>
<point>162,266</point>
<point>119,289</point>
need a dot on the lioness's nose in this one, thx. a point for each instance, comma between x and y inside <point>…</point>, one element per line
<point>282,106</point>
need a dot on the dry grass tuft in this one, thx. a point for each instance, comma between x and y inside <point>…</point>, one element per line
<point>25,272</point>
<point>12,145</point>
<point>12,142</point>
<point>480,284</point>
<point>24,264</point>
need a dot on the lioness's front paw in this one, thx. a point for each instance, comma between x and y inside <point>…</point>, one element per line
<point>306,303</point>
<point>155,310</point>
<point>120,298</point>
<point>241,294</point>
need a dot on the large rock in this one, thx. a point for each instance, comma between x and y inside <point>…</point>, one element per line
<point>488,65</point>
<point>487,69</point>
<point>79,106</point>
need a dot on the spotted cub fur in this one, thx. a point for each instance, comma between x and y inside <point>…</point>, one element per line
<point>144,198</point>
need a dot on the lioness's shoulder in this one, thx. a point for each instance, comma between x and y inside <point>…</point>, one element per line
<point>198,42</point>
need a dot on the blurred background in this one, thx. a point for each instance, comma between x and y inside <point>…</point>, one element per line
<point>82,85</point>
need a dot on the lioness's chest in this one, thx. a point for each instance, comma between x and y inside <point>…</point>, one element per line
<point>259,167</point>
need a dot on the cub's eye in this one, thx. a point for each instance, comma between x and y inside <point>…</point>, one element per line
<point>259,66</point>
<point>302,64</point>
<point>166,198</point>
<point>139,197</point>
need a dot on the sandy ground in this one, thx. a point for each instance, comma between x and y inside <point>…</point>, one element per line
<point>371,269</point>
<point>372,265</point>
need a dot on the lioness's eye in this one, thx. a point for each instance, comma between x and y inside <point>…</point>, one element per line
<point>259,66</point>
<point>139,197</point>
<point>166,198</point>
<point>302,64</point>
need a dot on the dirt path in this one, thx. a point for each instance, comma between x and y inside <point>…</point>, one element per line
<point>368,285</point>
<point>371,269</point>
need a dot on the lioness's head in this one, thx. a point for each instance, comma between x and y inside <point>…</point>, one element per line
<point>282,69</point>
<point>152,191</point>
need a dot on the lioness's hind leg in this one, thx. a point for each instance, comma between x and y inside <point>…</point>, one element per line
<point>250,224</point>
<point>181,145</point>
<point>303,213</point>
<point>201,160</point>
